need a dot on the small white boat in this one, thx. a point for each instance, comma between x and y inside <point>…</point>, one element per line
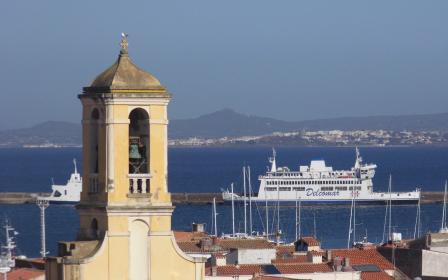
<point>69,193</point>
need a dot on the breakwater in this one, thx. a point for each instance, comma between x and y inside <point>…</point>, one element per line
<point>177,198</point>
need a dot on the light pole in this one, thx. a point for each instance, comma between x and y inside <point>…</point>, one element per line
<point>42,204</point>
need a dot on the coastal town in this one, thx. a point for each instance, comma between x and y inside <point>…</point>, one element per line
<point>322,138</point>
<point>379,138</point>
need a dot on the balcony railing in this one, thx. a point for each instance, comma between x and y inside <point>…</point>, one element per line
<point>93,183</point>
<point>139,183</point>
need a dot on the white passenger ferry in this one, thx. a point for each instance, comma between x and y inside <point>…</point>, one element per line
<point>319,183</point>
<point>69,193</point>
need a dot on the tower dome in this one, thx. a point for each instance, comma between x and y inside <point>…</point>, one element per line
<point>124,75</point>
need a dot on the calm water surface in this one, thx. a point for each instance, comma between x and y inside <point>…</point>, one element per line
<point>209,169</point>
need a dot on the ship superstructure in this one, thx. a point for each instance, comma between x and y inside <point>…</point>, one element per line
<point>69,193</point>
<point>319,183</point>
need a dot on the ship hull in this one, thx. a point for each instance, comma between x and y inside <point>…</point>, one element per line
<point>61,202</point>
<point>326,202</point>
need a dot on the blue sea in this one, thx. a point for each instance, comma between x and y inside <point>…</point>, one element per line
<point>210,169</point>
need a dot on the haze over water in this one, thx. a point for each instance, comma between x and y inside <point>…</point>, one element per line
<point>209,169</point>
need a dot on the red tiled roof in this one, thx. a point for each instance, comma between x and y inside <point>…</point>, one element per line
<point>358,257</point>
<point>375,276</point>
<point>244,269</point>
<point>311,241</point>
<point>245,244</point>
<point>25,274</point>
<point>283,249</point>
<point>266,277</point>
<point>292,259</point>
<point>195,247</point>
<point>224,245</point>
<point>190,247</point>
<point>183,236</point>
<point>303,268</point>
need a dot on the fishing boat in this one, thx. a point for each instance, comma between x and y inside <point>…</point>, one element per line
<point>319,183</point>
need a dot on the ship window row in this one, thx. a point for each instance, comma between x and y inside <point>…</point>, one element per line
<point>311,182</point>
<point>299,174</point>
<point>282,189</point>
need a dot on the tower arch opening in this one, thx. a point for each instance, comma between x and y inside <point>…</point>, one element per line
<point>139,150</point>
<point>94,150</point>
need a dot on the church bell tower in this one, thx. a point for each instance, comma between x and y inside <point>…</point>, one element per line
<point>125,208</point>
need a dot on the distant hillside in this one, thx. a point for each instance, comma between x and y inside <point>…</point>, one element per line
<point>228,123</point>
<point>52,132</point>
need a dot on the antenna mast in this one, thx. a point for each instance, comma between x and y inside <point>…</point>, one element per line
<point>42,204</point>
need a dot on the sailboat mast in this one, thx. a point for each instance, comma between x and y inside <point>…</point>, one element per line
<point>278,215</point>
<point>390,207</point>
<point>233,211</point>
<point>300,222</point>
<point>245,197</point>
<point>444,208</point>
<point>250,200</point>
<point>350,223</point>
<point>354,215</point>
<point>215,216</point>
<point>417,221</point>
<point>296,219</point>
<point>267,215</point>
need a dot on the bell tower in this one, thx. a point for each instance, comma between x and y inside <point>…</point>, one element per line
<point>125,208</point>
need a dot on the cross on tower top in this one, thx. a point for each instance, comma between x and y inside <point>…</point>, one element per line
<point>124,43</point>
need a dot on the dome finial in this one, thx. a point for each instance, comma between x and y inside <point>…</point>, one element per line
<point>124,43</point>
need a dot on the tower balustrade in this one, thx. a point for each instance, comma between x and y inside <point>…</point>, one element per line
<point>139,183</point>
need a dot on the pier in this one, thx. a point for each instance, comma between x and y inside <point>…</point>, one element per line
<point>177,198</point>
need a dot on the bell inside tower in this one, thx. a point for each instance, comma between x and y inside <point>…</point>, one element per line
<point>138,142</point>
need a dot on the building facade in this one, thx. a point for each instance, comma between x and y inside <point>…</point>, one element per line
<point>125,208</point>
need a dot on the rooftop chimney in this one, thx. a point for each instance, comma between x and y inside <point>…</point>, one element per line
<point>328,255</point>
<point>197,227</point>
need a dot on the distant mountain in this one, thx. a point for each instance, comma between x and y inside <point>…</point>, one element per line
<point>228,123</point>
<point>225,123</point>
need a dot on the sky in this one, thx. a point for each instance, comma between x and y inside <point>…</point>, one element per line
<point>287,59</point>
